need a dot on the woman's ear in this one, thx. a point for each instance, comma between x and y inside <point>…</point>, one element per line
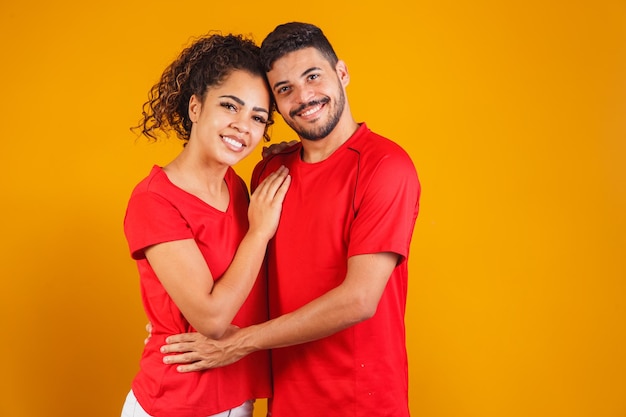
<point>195,106</point>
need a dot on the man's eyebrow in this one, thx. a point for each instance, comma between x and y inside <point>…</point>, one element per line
<point>243,103</point>
<point>279,83</point>
<point>310,70</point>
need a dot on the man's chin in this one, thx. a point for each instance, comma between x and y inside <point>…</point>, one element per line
<point>312,135</point>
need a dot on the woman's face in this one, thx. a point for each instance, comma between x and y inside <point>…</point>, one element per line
<point>231,121</point>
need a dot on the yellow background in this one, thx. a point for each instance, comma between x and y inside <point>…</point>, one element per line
<point>514,113</point>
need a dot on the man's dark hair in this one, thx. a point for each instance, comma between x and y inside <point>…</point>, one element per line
<point>290,37</point>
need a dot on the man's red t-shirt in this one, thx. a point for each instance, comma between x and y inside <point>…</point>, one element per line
<point>363,199</point>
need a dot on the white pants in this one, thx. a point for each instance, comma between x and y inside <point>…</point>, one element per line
<point>133,409</point>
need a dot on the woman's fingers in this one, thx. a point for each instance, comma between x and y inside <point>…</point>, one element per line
<point>273,183</point>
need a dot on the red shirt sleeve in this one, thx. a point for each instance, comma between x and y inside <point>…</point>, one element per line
<point>388,204</point>
<point>151,219</point>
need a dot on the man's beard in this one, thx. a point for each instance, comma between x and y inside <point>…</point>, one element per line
<point>319,132</point>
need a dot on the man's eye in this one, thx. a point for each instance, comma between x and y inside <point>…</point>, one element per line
<point>313,76</point>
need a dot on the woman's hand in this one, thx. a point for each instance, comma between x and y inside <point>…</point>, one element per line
<point>266,203</point>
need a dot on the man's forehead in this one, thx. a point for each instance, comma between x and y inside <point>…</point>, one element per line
<point>296,63</point>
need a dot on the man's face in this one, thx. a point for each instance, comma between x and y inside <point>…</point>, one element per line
<point>309,92</point>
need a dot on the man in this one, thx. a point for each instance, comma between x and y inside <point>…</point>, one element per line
<point>337,265</point>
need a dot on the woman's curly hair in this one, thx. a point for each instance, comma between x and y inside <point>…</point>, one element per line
<point>204,64</point>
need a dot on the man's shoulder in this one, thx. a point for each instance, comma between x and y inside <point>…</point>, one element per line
<point>272,162</point>
<point>374,146</point>
<point>366,139</point>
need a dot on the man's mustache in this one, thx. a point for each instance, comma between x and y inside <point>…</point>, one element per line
<point>309,104</point>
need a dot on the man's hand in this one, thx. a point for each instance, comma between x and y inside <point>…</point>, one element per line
<point>275,148</point>
<point>149,330</point>
<point>198,353</point>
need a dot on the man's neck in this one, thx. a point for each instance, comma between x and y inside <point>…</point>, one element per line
<point>318,150</point>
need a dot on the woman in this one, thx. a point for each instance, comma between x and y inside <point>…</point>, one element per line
<point>198,238</point>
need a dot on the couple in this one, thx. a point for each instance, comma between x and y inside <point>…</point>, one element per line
<point>322,242</point>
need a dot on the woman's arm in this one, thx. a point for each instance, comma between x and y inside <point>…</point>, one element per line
<point>210,306</point>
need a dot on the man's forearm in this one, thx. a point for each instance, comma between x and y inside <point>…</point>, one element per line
<point>355,300</point>
<point>320,318</point>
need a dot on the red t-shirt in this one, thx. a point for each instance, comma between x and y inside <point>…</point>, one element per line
<point>363,199</point>
<point>159,211</point>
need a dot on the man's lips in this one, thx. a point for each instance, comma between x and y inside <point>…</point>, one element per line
<point>309,108</point>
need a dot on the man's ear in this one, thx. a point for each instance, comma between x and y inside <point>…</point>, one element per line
<point>342,72</point>
<point>195,106</point>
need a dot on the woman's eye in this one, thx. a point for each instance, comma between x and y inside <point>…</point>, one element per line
<point>228,106</point>
<point>260,119</point>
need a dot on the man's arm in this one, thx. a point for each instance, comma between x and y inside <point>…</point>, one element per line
<point>355,300</point>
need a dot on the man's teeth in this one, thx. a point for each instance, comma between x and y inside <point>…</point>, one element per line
<point>311,111</point>
<point>232,142</point>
